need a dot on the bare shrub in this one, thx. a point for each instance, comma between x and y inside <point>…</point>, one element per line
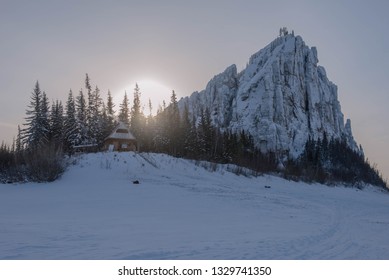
<point>45,164</point>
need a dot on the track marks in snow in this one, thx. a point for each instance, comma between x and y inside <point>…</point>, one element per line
<point>183,211</point>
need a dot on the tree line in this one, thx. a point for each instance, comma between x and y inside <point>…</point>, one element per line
<point>50,132</point>
<point>331,162</point>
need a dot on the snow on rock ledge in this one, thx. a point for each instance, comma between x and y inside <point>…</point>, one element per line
<point>282,98</point>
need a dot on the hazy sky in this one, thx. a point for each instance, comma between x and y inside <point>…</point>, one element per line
<point>183,44</point>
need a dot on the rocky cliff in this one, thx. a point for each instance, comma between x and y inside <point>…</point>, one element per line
<point>281,98</point>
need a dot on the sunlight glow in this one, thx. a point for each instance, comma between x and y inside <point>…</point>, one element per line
<point>150,89</point>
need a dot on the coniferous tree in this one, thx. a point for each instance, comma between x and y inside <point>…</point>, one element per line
<point>110,105</point>
<point>206,134</point>
<point>174,127</point>
<point>228,151</point>
<point>70,124</point>
<point>160,140</point>
<point>6,161</point>
<point>95,119</point>
<point>149,128</point>
<point>150,109</point>
<point>42,159</point>
<point>333,162</point>
<point>81,115</point>
<point>105,124</point>
<point>89,109</point>
<point>45,115</point>
<point>93,113</point>
<point>163,105</point>
<point>110,112</point>
<point>188,133</point>
<point>94,130</point>
<point>324,157</point>
<point>13,146</point>
<point>124,110</point>
<point>136,114</point>
<point>56,123</point>
<point>36,131</point>
<point>18,142</point>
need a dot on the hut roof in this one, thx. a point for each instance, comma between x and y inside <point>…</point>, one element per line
<point>122,132</point>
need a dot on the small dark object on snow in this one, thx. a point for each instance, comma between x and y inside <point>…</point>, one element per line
<point>267,187</point>
<point>136,182</point>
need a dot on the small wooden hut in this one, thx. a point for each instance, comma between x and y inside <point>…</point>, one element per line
<point>121,139</point>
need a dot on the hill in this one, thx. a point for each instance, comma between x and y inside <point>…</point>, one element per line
<point>183,209</point>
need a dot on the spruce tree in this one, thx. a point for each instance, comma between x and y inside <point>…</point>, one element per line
<point>70,124</point>
<point>95,118</point>
<point>229,151</point>
<point>93,113</point>
<point>89,108</point>
<point>56,123</point>
<point>137,118</point>
<point>45,114</point>
<point>106,125</point>
<point>18,147</point>
<point>206,134</point>
<point>160,140</point>
<point>81,115</point>
<point>149,130</point>
<point>110,113</point>
<point>36,131</point>
<point>174,133</point>
<point>188,131</point>
<point>124,110</point>
<point>18,142</point>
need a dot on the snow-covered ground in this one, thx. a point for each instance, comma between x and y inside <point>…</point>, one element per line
<point>182,211</point>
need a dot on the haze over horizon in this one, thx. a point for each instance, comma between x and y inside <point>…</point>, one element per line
<point>181,46</point>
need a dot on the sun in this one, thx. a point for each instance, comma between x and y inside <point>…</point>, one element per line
<point>150,89</point>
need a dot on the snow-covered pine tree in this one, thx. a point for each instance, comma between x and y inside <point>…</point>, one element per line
<point>82,126</point>
<point>105,124</point>
<point>70,124</point>
<point>90,99</point>
<point>95,120</point>
<point>90,112</point>
<point>56,123</point>
<point>110,111</point>
<point>45,110</point>
<point>36,131</point>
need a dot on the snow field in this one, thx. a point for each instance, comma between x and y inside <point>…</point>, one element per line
<point>180,210</point>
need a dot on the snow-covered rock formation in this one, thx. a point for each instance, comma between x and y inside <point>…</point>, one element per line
<point>281,98</point>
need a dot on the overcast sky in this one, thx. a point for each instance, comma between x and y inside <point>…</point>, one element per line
<point>183,44</point>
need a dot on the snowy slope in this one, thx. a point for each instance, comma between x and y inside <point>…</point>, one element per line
<point>282,97</point>
<point>182,211</point>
